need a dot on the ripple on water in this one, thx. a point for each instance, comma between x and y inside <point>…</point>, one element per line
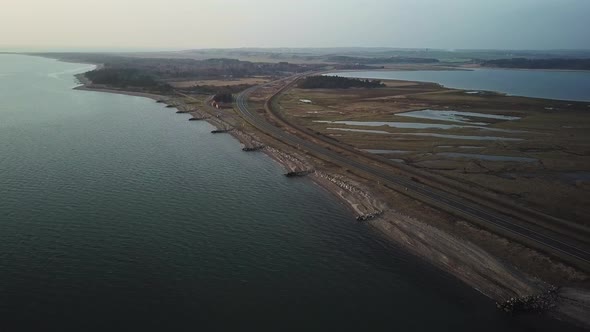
<point>115,207</point>
<point>412,125</point>
<point>456,116</point>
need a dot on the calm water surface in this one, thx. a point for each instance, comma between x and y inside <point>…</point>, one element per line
<point>566,85</point>
<point>117,214</point>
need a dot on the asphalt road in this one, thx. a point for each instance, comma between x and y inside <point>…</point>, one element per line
<point>485,216</point>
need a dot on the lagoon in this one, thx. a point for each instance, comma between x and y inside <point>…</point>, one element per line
<point>550,84</point>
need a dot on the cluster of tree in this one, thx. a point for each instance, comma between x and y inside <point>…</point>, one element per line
<point>378,60</point>
<point>223,98</point>
<point>337,82</point>
<point>121,77</point>
<point>215,89</point>
<point>555,63</point>
<point>171,69</point>
<point>153,73</point>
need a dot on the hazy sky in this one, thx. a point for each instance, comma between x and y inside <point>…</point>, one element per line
<point>509,24</point>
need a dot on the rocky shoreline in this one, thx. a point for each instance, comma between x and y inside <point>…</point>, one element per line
<point>513,290</point>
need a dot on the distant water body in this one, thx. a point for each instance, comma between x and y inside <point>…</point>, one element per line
<point>564,85</point>
<point>116,214</point>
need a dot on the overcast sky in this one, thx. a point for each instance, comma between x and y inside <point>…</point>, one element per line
<point>182,24</point>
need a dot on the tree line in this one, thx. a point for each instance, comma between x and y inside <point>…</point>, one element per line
<point>121,77</point>
<point>337,82</point>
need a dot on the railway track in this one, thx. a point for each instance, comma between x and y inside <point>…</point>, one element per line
<point>484,216</point>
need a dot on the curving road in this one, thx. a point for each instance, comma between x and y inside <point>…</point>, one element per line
<point>484,216</point>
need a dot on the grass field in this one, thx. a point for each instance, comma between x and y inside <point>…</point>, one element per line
<point>543,157</point>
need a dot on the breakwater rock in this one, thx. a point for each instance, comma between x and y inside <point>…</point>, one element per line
<point>356,195</point>
<point>370,216</point>
<point>539,303</point>
<point>298,173</point>
<point>253,148</point>
<point>291,161</point>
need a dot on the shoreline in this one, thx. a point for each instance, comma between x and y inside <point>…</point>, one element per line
<point>464,69</point>
<point>84,87</point>
<point>464,260</point>
<point>532,69</point>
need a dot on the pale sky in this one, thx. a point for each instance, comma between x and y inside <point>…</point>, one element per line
<point>184,24</point>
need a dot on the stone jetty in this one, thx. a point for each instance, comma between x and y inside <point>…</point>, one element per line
<point>219,131</point>
<point>253,148</point>
<point>370,216</point>
<point>294,174</point>
<point>539,303</point>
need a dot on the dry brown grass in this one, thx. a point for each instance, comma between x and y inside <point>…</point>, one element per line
<point>555,133</point>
